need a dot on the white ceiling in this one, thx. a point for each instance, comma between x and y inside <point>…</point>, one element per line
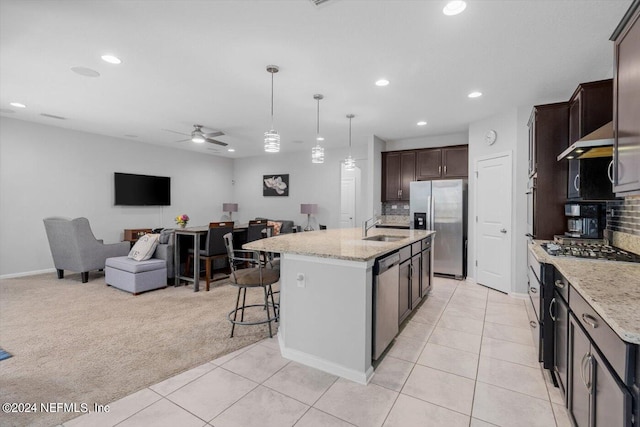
<point>187,62</point>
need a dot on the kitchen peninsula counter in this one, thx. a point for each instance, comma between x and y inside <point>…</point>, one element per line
<point>612,288</point>
<point>326,295</point>
<point>344,243</point>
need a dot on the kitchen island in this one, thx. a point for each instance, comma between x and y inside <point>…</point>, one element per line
<point>326,295</point>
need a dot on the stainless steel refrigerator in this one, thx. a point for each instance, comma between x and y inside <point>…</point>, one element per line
<point>442,206</point>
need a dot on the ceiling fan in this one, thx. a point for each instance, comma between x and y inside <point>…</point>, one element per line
<point>199,137</point>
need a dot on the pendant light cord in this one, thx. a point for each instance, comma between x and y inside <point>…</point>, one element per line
<point>271,99</point>
<point>350,135</point>
<point>318,121</point>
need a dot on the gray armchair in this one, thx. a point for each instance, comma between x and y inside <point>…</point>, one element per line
<point>165,251</point>
<point>74,247</point>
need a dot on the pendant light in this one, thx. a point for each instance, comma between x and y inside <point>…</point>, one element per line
<point>349,162</point>
<point>271,138</point>
<point>317,152</point>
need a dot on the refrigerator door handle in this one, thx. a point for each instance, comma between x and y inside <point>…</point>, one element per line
<point>432,215</point>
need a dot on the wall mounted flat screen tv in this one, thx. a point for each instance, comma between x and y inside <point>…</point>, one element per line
<point>142,190</point>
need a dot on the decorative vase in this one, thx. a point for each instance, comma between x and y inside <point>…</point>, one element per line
<point>183,225</point>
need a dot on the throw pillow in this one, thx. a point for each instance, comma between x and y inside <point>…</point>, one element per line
<point>276,227</point>
<point>144,247</point>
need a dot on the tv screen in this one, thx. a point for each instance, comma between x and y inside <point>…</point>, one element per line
<point>142,190</point>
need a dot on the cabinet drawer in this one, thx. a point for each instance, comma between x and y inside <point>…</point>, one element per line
<point>426,244</point>
<point>561,285</point>
<point>534,265</point>
<point>405,253</point>
<point>416,248</point>
<point>617,352</point>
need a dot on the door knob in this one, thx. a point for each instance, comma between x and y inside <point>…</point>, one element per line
<point>503,231</point>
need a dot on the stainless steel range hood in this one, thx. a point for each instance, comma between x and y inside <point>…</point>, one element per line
<point>598,143</point>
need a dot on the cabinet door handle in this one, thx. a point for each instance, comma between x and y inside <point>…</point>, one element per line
<point>610,171</point>
<point>590,320</point>
<point>439,170</point>
<point>445,169</point>
<point>559,284</point>
<point>576,182</point>
<point>552,306</point>
<point>582,363</point>
<point>588,381</point>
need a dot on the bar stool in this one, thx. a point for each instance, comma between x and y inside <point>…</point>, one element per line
<point>214,248</point>
<point>256,276</point>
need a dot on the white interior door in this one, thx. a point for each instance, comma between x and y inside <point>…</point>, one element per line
<point>493,221</point>
<point>348,202</point>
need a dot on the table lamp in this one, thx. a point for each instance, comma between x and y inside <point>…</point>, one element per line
<point>308,208</point>
<point>230,207</point>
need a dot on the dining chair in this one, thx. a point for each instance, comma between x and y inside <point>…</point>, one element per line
<point>256,276</point>
<point>214,248</point>
<point>256,229</point>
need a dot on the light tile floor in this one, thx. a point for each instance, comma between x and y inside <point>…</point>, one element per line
<point>465,358</point>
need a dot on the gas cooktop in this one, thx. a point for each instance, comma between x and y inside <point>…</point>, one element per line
<point>590,251</point>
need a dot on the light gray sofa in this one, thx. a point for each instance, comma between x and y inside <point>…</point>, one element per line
<point>74,247</point>
<point>287,225</point>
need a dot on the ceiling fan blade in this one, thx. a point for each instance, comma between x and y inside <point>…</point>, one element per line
<point>184,140</point>
<point>215,141</point>
<point>213,134</point>
<point>179,133</point>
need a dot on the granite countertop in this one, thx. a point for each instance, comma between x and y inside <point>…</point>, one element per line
<point>345,243</point>
<point>612,288</point>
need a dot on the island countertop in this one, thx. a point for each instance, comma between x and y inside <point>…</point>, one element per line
<point>612,288</point>
<point>344,243</point>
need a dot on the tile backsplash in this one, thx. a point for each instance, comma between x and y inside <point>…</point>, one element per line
<point>395,208</point>
<point>623,223</point>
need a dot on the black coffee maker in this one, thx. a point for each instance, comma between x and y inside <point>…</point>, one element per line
<point>585,220</point>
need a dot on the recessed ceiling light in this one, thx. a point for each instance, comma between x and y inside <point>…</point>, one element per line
<point>454,7</point>
<point>422,123</point>
<point>319,138</point>
<point>382,82</point>
<point>231,150</point>
<point>475,94</point>
<point>111,59</point>
<point>17,105</point>
<point>570,157</point>
<point>84,71</point>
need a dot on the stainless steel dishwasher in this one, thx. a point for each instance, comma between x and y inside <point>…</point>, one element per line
<point>385,302</point>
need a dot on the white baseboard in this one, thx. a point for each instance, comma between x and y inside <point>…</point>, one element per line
<point>325,365</point>
<point>27,273</point>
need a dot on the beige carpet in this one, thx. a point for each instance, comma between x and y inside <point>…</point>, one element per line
<point>91,343</point>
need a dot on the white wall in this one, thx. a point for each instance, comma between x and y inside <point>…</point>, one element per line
<point>461,138</point>
<point>375,147</point>
<point>511,138</point>
<point>308,182</point>
<point>48,171</point>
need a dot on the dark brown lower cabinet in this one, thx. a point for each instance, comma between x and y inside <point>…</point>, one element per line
<point>415,280</point>
<point>560,350</point>
<point>597,397</point>
<point>404,291</point>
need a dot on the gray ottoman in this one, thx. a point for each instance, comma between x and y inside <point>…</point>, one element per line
<point>135,276</point>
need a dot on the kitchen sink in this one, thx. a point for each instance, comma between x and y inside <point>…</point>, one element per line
<point>384,238</point>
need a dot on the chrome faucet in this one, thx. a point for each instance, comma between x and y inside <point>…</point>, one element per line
<point>366,227</point>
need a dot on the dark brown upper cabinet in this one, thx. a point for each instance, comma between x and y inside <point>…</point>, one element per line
<point>398,170</point>
<point>590,107</point>
<point>445,162</point>
<point>548,136</point>
<point>626,107</point>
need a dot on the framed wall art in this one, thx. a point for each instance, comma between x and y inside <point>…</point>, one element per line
<point>275,185</point>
